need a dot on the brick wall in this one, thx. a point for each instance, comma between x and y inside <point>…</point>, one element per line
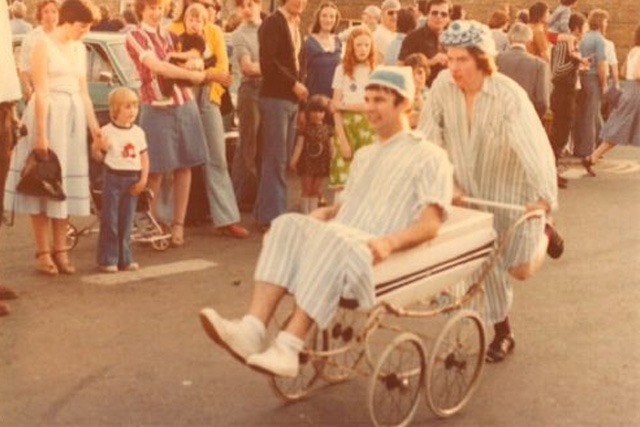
<point>625,14</point>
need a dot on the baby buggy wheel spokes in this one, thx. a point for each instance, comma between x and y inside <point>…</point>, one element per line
<point>293,389</point>
<point>342,333</point>
<point>455,364</point>
<point>396,382</point>
<point>71,236</point>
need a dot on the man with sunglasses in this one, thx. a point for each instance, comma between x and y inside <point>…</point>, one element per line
<point>386,32</point>
<point>425,39</point>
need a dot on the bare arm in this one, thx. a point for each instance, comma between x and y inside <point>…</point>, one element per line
<point>167,69</point>
<point>248,67</point>
<point>603,66</point>
<point>425,228</point>
<point>144,175</point>
<point>40,78</point>
<point>327,213</point>
<point>27,87</point>
<point>297,150</point>
<point>343,143</point>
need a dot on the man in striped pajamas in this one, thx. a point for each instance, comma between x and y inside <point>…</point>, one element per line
<point>396,197</point>
<point>500,152</point>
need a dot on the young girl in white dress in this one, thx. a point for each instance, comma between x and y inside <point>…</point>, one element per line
<point>352,126</point>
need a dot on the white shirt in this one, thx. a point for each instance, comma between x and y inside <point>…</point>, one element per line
<point>125,147</point>
<point>382,37</point>
<point>9,83</point>
<point>632,63</point>
<point>29,40</point>
<point>610,52</point>
<point>352,88</point>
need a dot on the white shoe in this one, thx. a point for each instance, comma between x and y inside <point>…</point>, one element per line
<point>238,337</point>
<point>276,360</point>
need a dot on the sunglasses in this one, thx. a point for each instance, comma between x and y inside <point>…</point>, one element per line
<point>437,13</point>
<point>391,12</point>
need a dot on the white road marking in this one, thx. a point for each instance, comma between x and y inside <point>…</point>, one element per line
<point>151,272</point>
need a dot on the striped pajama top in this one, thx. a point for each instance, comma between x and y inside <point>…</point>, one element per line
<point>505,156</point>
<point>390,184</point>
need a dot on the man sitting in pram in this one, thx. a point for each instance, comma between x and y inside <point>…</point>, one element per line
<point>396,197</point>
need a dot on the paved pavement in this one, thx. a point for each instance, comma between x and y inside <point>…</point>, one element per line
<point>80,352</point>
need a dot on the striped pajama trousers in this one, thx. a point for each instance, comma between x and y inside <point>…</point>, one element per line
<point>317,262</point>
<point>498,296</point>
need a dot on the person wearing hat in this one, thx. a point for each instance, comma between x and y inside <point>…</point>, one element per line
<point>386,32</point>
<point>397,195</point>
<point>500,152</point>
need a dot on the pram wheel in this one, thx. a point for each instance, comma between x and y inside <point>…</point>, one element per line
<point>160,244</point>
<point>71,236</point>
<point>396,382</point>
<point>342,333</point>
<point>455,364</point>
<point>293,389</point>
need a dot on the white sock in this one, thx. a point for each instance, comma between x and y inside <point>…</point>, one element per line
<point>304,207</point>
<point>313,204</point>
<point>289,341</point>
<point>254,325</point>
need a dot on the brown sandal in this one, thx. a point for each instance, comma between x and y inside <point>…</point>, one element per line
<point>45,264</point>
<point>177,239</point>
<point>61,259</point>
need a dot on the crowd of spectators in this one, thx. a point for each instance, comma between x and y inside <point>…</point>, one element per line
<point>546,63</point>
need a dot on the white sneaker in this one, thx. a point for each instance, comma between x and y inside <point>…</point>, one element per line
<point>239,338</point>
<point>277,360</point>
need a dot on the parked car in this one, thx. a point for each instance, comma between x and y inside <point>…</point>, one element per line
<point>108,66</point>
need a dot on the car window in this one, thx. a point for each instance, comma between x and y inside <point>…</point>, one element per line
<point>125,64</point>
<point>97,62</point>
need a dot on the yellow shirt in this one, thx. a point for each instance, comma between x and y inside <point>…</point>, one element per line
<point>215,41</point>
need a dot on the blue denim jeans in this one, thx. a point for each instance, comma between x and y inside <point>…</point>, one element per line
<point>222,200</point>
<point>588,117</point>
<point>116,218</point>
<point>244,173</point>
<point>278,136</point>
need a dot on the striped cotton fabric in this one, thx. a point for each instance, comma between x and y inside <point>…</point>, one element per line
<point>388,186</point>
<point>504,156</point>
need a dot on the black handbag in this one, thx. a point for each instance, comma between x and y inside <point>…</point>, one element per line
<point>42,177</point>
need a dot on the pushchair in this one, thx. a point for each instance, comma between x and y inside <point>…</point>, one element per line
<point>146,228</point>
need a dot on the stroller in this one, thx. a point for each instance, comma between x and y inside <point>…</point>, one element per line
<point>146,228</point>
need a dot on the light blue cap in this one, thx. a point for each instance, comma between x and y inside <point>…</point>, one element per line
<point>469,34</point>
<point>399,79</point>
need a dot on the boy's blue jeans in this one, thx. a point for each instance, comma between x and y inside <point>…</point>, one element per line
<point>116,218</point>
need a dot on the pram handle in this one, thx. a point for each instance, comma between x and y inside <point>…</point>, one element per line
<point>490,204</point>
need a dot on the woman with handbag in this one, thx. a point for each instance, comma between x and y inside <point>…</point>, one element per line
<point>57,117</point>
<point>623,125</point>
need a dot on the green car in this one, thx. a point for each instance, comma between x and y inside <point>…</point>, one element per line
<point>108,66</point>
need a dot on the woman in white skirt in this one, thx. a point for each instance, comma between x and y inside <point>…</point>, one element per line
<point>623,126</point>
<point>57,118</point>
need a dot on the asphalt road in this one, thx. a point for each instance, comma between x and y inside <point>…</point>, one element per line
<point>80,352</point>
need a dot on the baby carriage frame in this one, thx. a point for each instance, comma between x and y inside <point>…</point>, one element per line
<point>448,375</point>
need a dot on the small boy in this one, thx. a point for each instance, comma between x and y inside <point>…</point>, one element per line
<point>420,66</point>
<point>126,168</point>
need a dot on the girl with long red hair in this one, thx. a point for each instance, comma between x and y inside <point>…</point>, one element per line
<point>349,81</point>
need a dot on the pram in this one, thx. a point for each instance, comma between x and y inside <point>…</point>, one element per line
<point>146,228</point>
<point>413,284</point>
